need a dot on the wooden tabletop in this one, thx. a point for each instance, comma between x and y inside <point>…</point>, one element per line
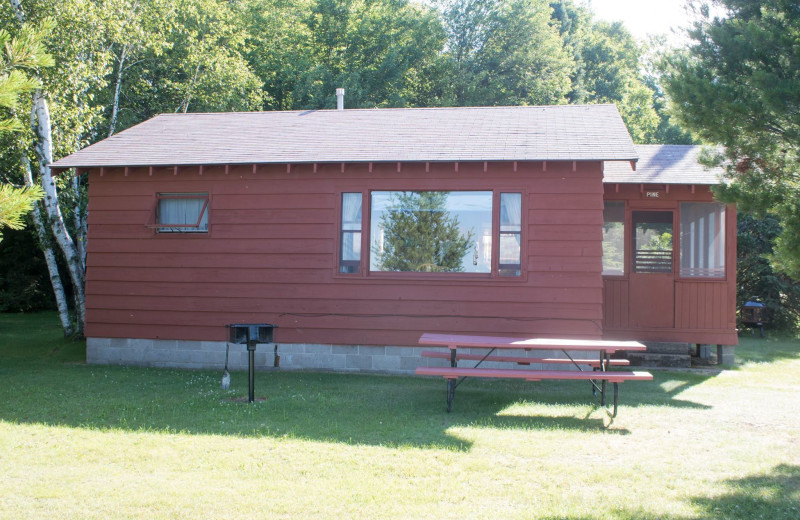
<point>454,341</point>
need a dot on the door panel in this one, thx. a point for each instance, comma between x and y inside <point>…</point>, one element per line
<point>652,280</point>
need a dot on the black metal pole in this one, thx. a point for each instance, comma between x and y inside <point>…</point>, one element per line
<point>251,351</point>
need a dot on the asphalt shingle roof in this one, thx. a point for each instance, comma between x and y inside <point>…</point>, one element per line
<point>536,133</point>
<point>663,164</point>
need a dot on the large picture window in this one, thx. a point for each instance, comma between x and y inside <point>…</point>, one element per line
<point>182,213</point>
<point>614,238</point>
<point>702,239</point>
<point>431,231</point>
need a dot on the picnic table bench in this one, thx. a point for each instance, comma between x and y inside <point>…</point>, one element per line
<point>599,376</point>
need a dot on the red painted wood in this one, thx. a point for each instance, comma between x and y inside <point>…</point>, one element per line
<point>615,303</point>
<point>270,256</point>
<point>558,217</point>
<point>697,336</point>
<point>651,301</point>
<point>149,245</point>
<point>373,308</point>
<point>704,309</point>
<point>523,360</point>
<point>464,340</point>
<point>342,292</point>
<point>534,375</point>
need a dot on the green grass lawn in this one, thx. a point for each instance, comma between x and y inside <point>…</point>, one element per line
<point>80,441</point>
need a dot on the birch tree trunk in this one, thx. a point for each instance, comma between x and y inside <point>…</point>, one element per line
<point>49,257</point>
<point>79,219</point>
<point>44,152</point>
<point>117,88</point>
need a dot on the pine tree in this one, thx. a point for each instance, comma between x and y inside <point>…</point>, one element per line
<point>419,234</point>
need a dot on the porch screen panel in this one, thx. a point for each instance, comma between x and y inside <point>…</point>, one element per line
<point>614,238</point>
<point>702,239</point>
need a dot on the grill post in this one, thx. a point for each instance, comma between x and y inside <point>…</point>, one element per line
<point>251,334</point>
<point>251,369</point>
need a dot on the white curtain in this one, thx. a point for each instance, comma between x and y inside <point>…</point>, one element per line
<point>177,211</point>
<point>510,230</point>
<point>351,226</point>
<point>351,211</point>
<point>510,211</point>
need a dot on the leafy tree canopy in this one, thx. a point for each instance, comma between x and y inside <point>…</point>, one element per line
<point>738,85</point>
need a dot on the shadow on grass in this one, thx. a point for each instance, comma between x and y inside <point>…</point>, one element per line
<point>44,383</point>
<point>771,349</point>
<point>326,407</point>
<point>773,496</point>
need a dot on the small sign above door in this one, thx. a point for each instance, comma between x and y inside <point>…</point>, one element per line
<point>652,194</point>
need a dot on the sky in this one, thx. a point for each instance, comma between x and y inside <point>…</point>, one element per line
<point>642,17</point>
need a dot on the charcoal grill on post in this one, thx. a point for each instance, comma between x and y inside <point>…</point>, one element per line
<point>754,315</point>
<point>251,334</point>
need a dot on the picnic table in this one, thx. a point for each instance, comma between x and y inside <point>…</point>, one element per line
<point>599,375</point>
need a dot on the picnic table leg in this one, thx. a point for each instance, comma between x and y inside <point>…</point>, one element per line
<point>603,368</point>
<point>451,393</point>
<point>616,394</point>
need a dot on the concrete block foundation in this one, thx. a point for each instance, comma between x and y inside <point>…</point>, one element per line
<point>286,356</point>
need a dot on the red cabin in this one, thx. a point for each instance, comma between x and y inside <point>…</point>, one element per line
<point>354,231</point>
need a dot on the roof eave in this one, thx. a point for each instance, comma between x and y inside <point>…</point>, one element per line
<point>63,164</point>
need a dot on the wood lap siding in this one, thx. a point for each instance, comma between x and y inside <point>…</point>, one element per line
<point>271,256</point>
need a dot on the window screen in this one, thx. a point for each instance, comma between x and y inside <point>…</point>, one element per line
<point>702,239</point>
<point>614,238</point>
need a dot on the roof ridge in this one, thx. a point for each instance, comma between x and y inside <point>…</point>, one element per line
<point>386,109</point>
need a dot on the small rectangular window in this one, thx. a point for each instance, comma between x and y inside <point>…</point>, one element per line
<point>614,238</point>
<point>350,259</point>
<point>510,234</point>
<point>702,239</point>
<point>182,213</point>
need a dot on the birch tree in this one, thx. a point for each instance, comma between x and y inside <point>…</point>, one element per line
<point>43,146</point>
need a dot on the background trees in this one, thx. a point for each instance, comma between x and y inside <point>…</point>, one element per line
<point>757,278</point>
<point>504,52</point>
<point>738,85</point>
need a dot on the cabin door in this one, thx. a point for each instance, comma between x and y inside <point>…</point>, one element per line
<point>652,279</point>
